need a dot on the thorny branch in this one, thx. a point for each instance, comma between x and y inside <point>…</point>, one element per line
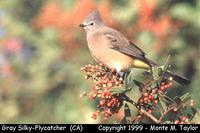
<point>110,93</point>
<point>153,118</point>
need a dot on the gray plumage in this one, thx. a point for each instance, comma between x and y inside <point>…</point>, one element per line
<point>113,49</point>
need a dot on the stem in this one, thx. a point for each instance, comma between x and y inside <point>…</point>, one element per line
<point>153,118</point>
<point>165,113</point>
<point>129,100</point>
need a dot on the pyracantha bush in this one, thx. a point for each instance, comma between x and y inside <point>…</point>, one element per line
<point>153,105</point>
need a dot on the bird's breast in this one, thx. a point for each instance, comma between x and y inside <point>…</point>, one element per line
<point>102,53</point>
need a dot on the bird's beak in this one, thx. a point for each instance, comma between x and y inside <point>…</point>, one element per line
<point>82,25</point>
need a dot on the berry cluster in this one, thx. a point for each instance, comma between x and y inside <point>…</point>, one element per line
<point>108,106</point>
<point>149,98</point>
<point>104,81</point>
<point>182,120</point>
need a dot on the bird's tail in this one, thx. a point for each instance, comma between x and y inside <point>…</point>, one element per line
<point>177,78</point>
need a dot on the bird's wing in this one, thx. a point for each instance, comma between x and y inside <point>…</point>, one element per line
<point>120,43</point>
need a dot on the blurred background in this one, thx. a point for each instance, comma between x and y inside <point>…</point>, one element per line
<point>42,49</point>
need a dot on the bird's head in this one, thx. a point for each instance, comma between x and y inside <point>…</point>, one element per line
<point>92,22</point>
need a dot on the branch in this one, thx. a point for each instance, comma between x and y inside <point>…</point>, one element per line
<point>166,112</point>
<point>126,98</point>
<point>153,118</point>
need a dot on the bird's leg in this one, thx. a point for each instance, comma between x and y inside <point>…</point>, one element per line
<point>111,72</point>
<point>120,74</point>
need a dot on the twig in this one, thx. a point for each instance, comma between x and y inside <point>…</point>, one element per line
<point>126,98</point>
<point>153,118</point>
<point>166,112</point>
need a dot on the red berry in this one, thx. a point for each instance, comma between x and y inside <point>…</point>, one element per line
<point>171,84</point>
<point>150,111</point>
<point>177,122</point>
<point>156,101</point>
<point>146,94</point>
<point>154,91</point>
<point>109,104</point>
<point>94,95</point>
<point>163,83</point>
<point>96,88</point>
<point>145,99</point>
<point>106,114</point>
<point>166,86</point>
<point>150,97</point>
<point>162,87</point>
<point>186,120</point>
<point>159,91</point>
<point>141,100</point>
<point>183,118</point>
<point>102,102</point>
<point>100,92</point>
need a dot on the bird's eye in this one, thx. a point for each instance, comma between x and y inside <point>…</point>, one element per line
<point>91,23</point>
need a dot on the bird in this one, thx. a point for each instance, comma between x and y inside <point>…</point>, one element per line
<point>112,49</point>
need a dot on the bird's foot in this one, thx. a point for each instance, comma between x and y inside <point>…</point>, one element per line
<point>120,74</point>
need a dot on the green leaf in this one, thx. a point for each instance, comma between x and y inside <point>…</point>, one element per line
<point>156,72</point>
<point>177,100</point>
<point>127,115</point>
<point>189,111</point>
<point>167,99</point>
<point>139,84</point>
<point>118,90</point>
<point>127,111</point>
<point>124,121</point>
<point>166,65</point>
<point>196,118</point>
<point>167,122</point>
<point>163,103</point>
<point>185,97</point>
